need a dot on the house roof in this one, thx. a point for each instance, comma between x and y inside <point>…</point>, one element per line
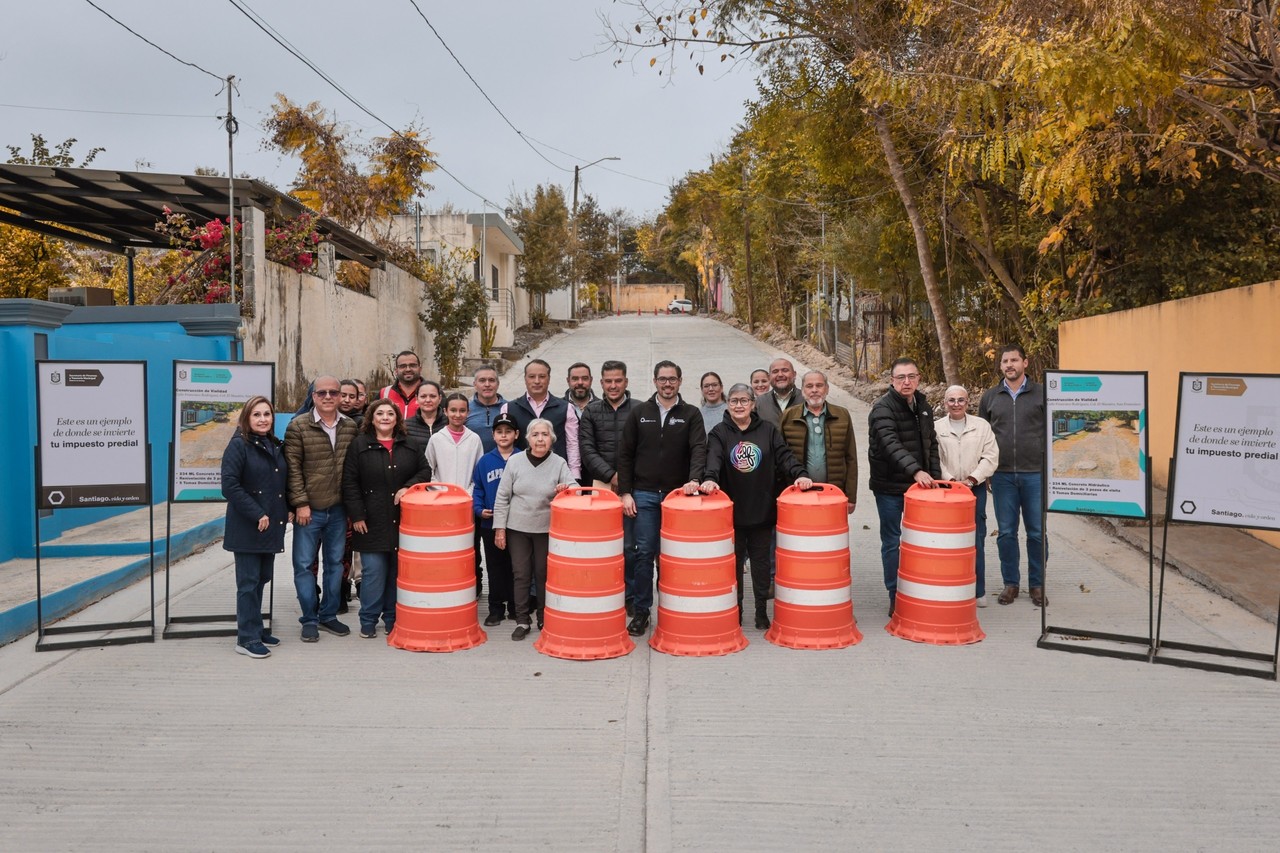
<point>115,211</point>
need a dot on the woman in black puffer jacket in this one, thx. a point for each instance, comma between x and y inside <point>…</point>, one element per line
<point>380,466</point>
<point>254,478</point>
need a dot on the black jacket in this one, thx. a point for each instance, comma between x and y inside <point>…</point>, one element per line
<point>902,443</point>
<point>751,465</point>
<point>370,478</point>
<point>555,410</point>
<point>254,480</point>
<point>599,434</point>
<point>420,432</point>
<point>1019,425</point>
<point>657,456</point>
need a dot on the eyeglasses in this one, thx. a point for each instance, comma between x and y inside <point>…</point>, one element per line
<point>954,400</point>
<point>666,379</point>
<point>406,366</point>
<point>326,393</point>
<point>740,401</point>
<point>908,377</point>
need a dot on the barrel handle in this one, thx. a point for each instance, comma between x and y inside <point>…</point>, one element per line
<point>816,487</point>
<point>586,491</point>
<point>716,495</point>
<point>438,487</point>
<point>944,484</point>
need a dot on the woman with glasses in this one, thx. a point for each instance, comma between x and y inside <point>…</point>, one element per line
<point>748,458</point>
<point>713,404</point>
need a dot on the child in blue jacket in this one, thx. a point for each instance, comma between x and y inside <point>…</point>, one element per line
<point>484,491</point>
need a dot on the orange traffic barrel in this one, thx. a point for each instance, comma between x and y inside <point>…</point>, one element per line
<point>697,586</point>
<point>585,613</point>
<point>436,583</point>
<point>813,599</point>
<point>935,600</point>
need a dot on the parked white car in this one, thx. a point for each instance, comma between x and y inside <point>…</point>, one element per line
<point>680,306</point>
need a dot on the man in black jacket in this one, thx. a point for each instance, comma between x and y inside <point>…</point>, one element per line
<point>663,448</point>
<point>599,434</point>
<point>902,451</point>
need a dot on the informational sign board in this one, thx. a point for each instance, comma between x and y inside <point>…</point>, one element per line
<point>1097,443</point>
<point>208,397</point>
<point>93,434</point>
<point>1226,466</point>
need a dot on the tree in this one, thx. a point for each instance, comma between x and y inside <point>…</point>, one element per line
<point>542,221</point>
<point>456,302</point>
<point>597,258</point>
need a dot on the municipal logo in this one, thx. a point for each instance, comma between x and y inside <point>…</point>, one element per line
<point>55,378</point>
<point>1197,385</point>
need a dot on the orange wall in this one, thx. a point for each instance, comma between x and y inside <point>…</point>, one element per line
<point>1232,331</point>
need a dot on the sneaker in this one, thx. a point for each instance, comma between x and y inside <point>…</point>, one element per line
<point>494,619</point>
<point>520,632</point>
<point>254,650</point>
<point>369,633</point>
<point>982,601</point>
<point>333,626</point>
<point>310,634</point>
<point>268,640</point>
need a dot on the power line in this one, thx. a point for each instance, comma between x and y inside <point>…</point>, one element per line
<point>604,168</point>
<point>279,39</point>
<point>103,112</point>
<point>481,90</point>
<point>153,44</point>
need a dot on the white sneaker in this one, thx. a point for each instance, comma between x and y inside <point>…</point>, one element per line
<point>982,601</point>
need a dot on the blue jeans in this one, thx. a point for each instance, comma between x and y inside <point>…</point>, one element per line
<point>253,573</point>
<point>980,539</point>
<point>328,528</point>
<point>890,507</point>
<point>1014,493</point>
<point>647,530</point>
<point>378,588</point>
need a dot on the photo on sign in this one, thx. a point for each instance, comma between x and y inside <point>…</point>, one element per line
<point>206,428</point>
<point>1096,445</point>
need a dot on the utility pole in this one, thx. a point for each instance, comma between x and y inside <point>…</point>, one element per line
<point>573,285</point>
<point>232,126</point>
<point>746,244</point>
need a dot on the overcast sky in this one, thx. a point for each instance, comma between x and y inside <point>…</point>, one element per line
<point>543,62</point>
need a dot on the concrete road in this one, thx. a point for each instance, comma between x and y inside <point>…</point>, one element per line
<point>887,745</point>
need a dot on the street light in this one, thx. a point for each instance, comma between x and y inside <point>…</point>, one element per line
<point>573,286</point>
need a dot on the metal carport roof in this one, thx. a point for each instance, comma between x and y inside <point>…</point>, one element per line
<point>119,210</point>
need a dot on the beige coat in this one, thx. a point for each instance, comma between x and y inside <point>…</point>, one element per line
<point>974,453</point>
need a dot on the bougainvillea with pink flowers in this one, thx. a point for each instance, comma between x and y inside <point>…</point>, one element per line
<point>207,275</point>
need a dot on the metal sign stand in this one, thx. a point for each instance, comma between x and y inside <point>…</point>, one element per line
<point>1159,646</point>
<point>43,645</point>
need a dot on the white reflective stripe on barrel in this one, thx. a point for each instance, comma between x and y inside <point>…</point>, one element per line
<point>939,541</point>
<point>697,550</point>
<point>437,544</point>
<point>585,603</point>
<point>699,603</point>
<point>813,544</point>
<point>436,600</point>
<point>929,592</point>
<point>585,550</point>
<point>812,597</point>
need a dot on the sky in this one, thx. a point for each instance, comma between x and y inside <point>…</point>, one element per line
<point>544,63</point>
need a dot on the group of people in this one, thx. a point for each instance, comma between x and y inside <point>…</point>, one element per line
<point>344,465</point>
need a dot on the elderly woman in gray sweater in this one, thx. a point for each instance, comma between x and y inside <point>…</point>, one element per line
<point>522,516</point>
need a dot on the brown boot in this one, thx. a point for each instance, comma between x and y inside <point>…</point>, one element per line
<point>1008,594</point>
<point>1038,598</point>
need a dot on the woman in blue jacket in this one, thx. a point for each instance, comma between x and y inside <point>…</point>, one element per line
<point>254,475</point>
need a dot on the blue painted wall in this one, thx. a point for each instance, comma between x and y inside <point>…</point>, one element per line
<point>158,335</point>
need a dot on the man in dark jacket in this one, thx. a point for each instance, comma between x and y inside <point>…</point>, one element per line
<point>1016,411</point>
<point>783,393</point>
<point>599,434</point>
<point>538,402</point>
<point>664,447</point>
<point>902,450</point>
<point>820,434</point>
<point>315,446</point>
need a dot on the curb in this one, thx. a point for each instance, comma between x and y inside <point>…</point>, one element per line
<point>19,621</point>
